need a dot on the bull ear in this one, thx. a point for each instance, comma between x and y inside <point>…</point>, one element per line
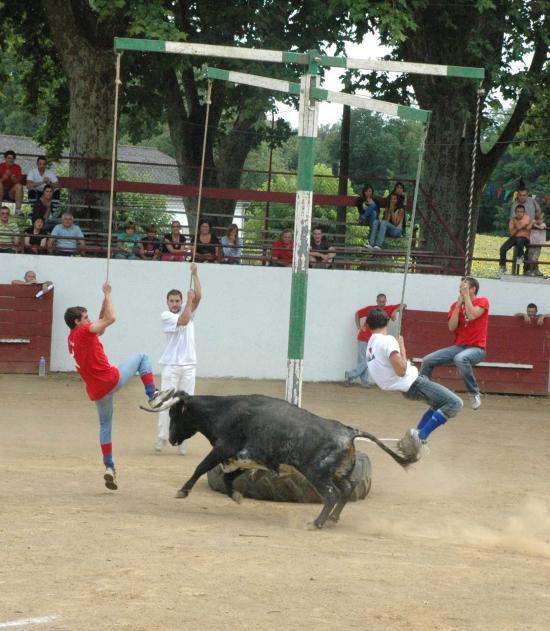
<point>182,396</point>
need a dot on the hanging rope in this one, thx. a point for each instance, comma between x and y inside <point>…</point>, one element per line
<point>469,243</point>
<point>413,217</point>
<point>201,173</point>
<point>113,165</point>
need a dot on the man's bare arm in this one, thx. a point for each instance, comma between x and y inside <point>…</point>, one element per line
<point>196,285</point>
<point>398,360</point>
<point>185,315</point>
<point>107,312</point>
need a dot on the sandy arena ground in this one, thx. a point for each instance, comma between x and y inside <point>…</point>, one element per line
<point>460,541</point>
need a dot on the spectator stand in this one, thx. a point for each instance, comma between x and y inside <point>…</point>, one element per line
<point>25,328</point>
<point>518,355</point>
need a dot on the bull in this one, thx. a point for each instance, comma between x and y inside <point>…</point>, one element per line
<point>259,432</point>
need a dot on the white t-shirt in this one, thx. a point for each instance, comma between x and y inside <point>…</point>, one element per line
<point>34,176</point>
<point>180,346</point>
<point>379,366</point>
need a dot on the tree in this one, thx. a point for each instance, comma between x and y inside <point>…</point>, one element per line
<point>164,88</point>
<point>498,35</point>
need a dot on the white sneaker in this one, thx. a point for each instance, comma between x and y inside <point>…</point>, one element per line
<point>110,479</point>
<point>367,246</point>
<point>160,444</point>
<point>501,271</point>
<point>377,247</point>
<point>182,449</point>
<point>160,397</point>
<point>519,260</point>
<point>475,400</point>
<point>411,445</point>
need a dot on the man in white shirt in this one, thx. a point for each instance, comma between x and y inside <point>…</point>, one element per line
<point>179,358</point>
<point>390,370</point>
<point>38,177</point>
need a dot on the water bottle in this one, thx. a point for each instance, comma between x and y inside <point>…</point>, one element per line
<point>42,367</point>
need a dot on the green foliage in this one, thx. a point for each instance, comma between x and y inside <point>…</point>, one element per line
<point>141,208</point>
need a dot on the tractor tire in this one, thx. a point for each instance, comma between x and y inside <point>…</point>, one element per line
<point>260,484</point>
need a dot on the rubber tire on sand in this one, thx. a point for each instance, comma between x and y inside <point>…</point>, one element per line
<point>267,485</point>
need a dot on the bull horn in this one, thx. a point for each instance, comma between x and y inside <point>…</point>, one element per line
<point>165,406</point>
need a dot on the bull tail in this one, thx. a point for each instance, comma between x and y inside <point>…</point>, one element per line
<point>404,462</point>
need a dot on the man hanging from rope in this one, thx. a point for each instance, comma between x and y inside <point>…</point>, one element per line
<point>390,370</point>
<point>103,380</point>
<point>468,319</point>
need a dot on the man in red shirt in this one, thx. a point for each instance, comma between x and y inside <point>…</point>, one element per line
<point>282,249</point>
<point>103,380</point>
<point>468,320</point>
<point>11,176</point>
<point>364,336</point>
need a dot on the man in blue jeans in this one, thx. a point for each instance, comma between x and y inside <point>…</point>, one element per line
<point>390,370</point>
<point>103,380</point>
<point>468,320</point>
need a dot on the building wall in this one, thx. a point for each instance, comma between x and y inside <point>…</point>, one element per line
<point>242,323</point>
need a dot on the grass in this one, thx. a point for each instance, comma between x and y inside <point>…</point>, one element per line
<point>487,246</point>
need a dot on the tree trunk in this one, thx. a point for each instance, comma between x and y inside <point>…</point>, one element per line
<point>90,72</point>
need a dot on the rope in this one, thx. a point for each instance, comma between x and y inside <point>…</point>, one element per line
<point>413,217</point>
<point>201,174</point>
<point>113,165</point>
<point>469,245</point>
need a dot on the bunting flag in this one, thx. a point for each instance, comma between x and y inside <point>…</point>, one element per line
<point>508,194</point>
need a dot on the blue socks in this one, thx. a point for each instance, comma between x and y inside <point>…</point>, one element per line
<point>427,426</point>
<point>425,418</point>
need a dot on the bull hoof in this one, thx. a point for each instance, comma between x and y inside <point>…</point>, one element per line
<point>182,493</point>
<point>237,497</point>
<point>313,525</point>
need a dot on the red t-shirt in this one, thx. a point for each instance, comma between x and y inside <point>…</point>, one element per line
<point>281,250</point>
<point>474,332</point>
<point>91,362</point>
<point>364,331</point>
<point>15,170</point>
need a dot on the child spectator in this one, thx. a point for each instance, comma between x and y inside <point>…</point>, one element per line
<point>206,247</point>
<point>11,176</point>
<point>282,249</point>
<point>36,237</point>
<point>519,227</point>
<point>151,245</point>
<point>9,232</point>
<point>231,245</point>
<point>127,242</point>
<point>321,253</point>
<point>536,239</point>
<point>174,245</point>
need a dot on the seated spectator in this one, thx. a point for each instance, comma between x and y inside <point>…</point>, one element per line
<point>66,239</point>
<point>150,244</point>
<point>9,232</point>
<point>231,245</point>
<point>30,279</point>
<point>321,253</point>
<point>399,190</point>
<point>368,207</point>
<point>536,239</point>
<point>207,245</point>
<point>11,177</point>
<point>43,207</point>
<point>531,314</point>
<point>39,177</point>
<point>174,245</point>
<point>282,249</point>
<point>519,228</point>
<point>36,237</point>
<point>391,224</point>
<point>127,242</point>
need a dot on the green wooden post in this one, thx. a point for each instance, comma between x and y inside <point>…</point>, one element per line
<point>307,133</point>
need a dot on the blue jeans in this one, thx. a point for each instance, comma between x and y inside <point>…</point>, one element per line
<point>436,395</point>
<point>381,228</point>
<point>369,216</point>
<point>361,369</point>
<point>464,357</point>
<point>137,363</point>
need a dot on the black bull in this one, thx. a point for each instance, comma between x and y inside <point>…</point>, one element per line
<point>255,431</point>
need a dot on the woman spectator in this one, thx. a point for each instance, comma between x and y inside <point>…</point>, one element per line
<point>367,207</point>
<point>151,245</point>
<point>231,245</point>
<point>282,249</point>
<point>207,245</point>
<point>174,245</point>
<point>36,237</point>
<point>391,224</point>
